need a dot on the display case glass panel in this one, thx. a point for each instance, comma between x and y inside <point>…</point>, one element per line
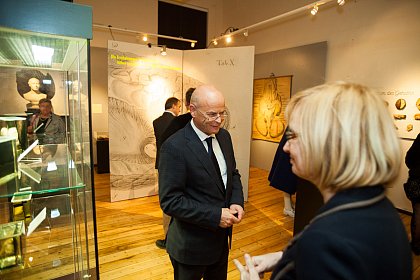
<point>46,182</point>
<point>11,235</point>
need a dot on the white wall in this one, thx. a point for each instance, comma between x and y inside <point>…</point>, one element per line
<point>142,15</point>
<point>374,42</point>
<point>138,15</point>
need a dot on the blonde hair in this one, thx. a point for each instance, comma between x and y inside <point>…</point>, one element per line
<point>346,135</point>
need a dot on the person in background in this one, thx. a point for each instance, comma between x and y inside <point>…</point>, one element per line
<point>281,177</point>
<point>342,138</point>
<point>180,121</point>
<point>412,190</point>
<point>48,127</point>
<point>172,109</point>
<point>200,188</point>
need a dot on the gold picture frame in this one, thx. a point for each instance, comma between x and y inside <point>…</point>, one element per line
<point>271,96</point>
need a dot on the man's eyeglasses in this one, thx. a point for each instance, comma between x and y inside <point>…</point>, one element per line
<point>290,134</point>
<point>212,116</point>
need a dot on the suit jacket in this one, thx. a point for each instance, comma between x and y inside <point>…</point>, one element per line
<point>159,126</point>
<point>54,130</point>
<point>176,124</point>
<point>191,193</point>
<point>368,242</point>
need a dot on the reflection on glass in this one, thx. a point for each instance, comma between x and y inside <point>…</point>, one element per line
<point>11,244</point>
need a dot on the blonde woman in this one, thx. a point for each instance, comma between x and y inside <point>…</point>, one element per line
<point>343,140</point>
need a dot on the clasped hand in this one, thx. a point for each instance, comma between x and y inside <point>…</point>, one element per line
<point>232,215</point>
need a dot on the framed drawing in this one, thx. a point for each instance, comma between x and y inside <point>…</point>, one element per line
<point>271,96</point>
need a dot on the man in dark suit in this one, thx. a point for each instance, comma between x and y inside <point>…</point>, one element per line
<point>180,121</point>
<point>172,109</point>
<point>200,188</point>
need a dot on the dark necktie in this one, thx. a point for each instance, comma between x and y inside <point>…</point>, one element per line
<point>213,158</point>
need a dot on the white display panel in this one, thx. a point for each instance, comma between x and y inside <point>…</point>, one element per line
<point>140,80</point>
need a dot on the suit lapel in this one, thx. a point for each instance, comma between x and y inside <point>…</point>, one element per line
<point>197,148</point>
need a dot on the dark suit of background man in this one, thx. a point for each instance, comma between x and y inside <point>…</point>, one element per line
<point>172,109</point>
<point>180,121</point>
<point>200,194</point>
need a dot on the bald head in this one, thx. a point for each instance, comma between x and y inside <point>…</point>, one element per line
<point>207,95</point>
<point>207,109</point>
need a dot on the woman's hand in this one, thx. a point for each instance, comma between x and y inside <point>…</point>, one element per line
<point>248,272</point>
<point>267,262</point>
<point>256,266</point>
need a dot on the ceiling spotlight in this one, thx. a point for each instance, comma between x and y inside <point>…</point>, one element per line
<point>145,38</point>
<point>192,44</point>
<point>246,33</point>
<point>314,10</point>
<point>163,51</point>
<point>341,2</point>
<point>215,42</point>
<point>228,39</point>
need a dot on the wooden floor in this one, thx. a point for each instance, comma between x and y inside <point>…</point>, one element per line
<point>127,231</point>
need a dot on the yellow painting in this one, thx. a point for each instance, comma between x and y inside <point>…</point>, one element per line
<point>271,96</point>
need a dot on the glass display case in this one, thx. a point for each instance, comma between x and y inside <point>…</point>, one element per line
<point>47,211</point>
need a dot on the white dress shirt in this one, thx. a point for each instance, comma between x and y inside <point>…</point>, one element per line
<point>216,149</point>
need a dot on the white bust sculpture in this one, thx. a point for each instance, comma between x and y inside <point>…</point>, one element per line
<point>34,95</point>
